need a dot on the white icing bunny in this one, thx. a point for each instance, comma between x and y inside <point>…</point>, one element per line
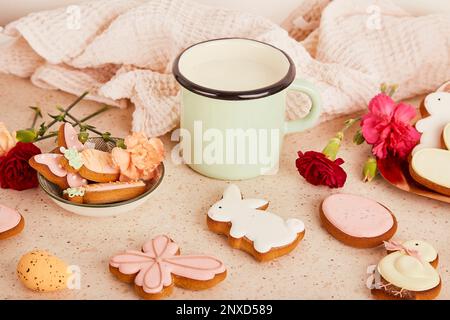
<point>437,105</point>
<point>265,229</point>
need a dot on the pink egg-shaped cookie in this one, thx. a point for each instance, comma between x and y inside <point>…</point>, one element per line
<point>357,221</point>
<point>11,222</point>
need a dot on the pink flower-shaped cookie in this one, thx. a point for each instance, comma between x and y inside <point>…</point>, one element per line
<point>159,266</point>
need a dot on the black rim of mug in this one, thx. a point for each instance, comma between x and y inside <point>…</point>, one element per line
<point>234,95</point>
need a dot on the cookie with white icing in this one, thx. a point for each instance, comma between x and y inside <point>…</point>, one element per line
<point>11,222</point>
<point>159,266</point>
<point>103,193</point>
<point>430,168</point>
<point>250,228</point>
<point>435,117</point>
<point>408,272</point>
<point>357,221</point>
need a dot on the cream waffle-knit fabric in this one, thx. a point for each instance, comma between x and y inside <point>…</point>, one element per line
<point>122,50</point>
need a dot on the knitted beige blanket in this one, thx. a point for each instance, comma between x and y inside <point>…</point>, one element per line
<point>122,50</point>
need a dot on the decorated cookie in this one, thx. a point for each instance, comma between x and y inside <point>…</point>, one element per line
<point>71,160</point>
<point>430,168</point>
<point>248,227</point>
<point>437,106</point>
<point>68,137</point>
<point>357,221</point>
<point>100,193</point>
<point>98,166</point>
<point>158,267</point>
<point>43,272</point>
<point>11,222</point>
<point>408,272</point>
<point>446,137</point>
<point>50,166</point>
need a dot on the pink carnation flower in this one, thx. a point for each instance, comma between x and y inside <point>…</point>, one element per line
<point>387,127</point>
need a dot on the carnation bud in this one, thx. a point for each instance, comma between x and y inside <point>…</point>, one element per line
<point>120,143</point>
<point>83,136</point>
<point>370,169</point>
<point>358,138</point>
<point>332,148</point>
<point>26,135</point>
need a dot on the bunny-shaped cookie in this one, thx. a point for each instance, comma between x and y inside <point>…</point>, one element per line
<point>437,105</point>
<point>261,233</point>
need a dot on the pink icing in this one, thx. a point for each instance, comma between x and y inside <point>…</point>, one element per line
<point>71,137</point>
<point>9,218</point>
<point>52,161</point>
<point>99,161</point>
<point>75,180</point>
<point>357,216</point>
<point>157,261</point>
<point>113,186</point>
<point>397,246</point>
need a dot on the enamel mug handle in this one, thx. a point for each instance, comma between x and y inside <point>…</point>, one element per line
<point>316,106</point>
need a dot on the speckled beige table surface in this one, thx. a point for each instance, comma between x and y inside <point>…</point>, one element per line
<point>319,268</point>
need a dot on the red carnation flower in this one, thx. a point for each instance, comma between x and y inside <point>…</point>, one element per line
<point>15,172</point>
<point>317,169</point>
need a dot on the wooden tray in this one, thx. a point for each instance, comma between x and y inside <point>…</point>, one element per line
<point>396,172</point>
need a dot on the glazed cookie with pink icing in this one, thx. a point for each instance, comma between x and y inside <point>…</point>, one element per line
<point>357,221</point>
<point>11,222</point>
<point>50,166</point>
<point>68,137</point>
<point>159,266</point>
<point>98,166</point>
<point>102,193</point>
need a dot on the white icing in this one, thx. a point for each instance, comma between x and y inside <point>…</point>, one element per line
<point>437,105</point>
<point>433,165</point>
<point>446,135</point>
<point>426,250</point>
<point>265,229</point>
<point>408,272</point>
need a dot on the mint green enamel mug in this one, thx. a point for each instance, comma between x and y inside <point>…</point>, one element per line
<point>233,101</point>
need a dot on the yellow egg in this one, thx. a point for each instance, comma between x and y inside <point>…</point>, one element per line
<point>41,271</point>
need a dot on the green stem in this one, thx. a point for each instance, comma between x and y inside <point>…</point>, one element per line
<point>78,123</point>
<point>36,116</point>
<point>349,123</point>
<point>96,113</point>
<point>47,136</point>
<point>73,104</point>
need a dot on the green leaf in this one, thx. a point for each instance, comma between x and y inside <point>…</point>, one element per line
<point>42,129</point>
<point>358,138</point>
<point>26,135</point>
<point>106,136</point>
<point>58,117</point>
<point>120,143</point>
<point>83,136</point>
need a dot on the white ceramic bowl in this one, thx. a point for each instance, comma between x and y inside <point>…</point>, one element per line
<point>100,210</point>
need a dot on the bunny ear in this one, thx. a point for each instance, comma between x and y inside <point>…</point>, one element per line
<point>256,203</point>
<point>232,192</point>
